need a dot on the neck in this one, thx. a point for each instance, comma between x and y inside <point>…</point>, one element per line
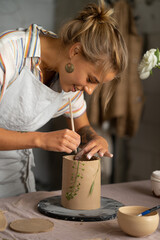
<point>50,53</point>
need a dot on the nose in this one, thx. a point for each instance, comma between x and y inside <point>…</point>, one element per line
<point>89,89</point>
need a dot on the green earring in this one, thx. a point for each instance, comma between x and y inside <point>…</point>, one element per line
<point>69,67</point>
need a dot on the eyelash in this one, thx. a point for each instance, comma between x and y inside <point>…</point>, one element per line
<point>89,80</point>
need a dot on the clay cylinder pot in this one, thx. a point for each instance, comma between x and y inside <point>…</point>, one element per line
<point>81,183</point>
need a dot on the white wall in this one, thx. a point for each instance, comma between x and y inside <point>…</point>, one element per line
<point>22,13</point>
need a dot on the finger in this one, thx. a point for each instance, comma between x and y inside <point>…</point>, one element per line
<point>92,152</point>
<point>72,137</point>
<point>108,154</point>
<point>101,152</point>
<point>75,135</point>
<point>66,146</point>
<point>79,154</point>
<point>71,141</point>
<point>65,149</point>
<point>85,150</point>
<point>72,145</point>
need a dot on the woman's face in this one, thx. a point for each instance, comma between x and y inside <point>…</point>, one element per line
<point>85,76</point>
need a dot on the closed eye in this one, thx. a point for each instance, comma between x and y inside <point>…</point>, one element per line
<point>93,80</point>
<point>89,80</point>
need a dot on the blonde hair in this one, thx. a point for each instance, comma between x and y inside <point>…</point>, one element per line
<point>97,31</point>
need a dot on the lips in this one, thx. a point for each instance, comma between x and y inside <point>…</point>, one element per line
<point>74,89</point>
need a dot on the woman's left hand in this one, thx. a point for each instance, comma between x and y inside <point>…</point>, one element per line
<point>91,142</point>
<point>97,145</point>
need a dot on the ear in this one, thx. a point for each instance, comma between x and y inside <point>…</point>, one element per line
<point>75,49</point>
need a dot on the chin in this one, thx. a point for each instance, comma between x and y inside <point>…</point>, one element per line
<point>66,90</point>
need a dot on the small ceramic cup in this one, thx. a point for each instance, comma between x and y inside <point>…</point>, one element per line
<point>155,183</point>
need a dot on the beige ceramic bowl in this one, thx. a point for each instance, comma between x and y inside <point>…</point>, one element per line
<point>134,225</point>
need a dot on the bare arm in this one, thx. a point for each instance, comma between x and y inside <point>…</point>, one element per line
<point>12,140</point>
<point>61,141</point>
<point>91,142</point>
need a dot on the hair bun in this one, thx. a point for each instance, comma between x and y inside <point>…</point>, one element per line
<point>96,13</point>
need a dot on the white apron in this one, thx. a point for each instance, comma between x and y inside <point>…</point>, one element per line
<point>26,106</point>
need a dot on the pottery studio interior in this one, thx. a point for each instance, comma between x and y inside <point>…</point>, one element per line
<point>131,121</point>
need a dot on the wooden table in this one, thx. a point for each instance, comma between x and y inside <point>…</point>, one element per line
<point>25,206</point>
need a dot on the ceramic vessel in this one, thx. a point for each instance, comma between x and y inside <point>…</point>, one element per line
<point>3,222</point>
<point>134,225</point>
<point>81,183</point>
<point>155,183</point>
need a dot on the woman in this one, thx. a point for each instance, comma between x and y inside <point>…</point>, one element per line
<point>39,72</point>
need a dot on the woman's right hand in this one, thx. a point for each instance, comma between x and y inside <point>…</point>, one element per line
<point>59,141</point>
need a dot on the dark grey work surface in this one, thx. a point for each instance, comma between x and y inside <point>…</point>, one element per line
<point>52,207</point>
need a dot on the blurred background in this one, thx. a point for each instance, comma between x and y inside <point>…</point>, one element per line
<point>131,123</point>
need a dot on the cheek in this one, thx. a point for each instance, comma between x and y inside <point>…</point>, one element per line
<point>79,77</point>
<point>65,78</point>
